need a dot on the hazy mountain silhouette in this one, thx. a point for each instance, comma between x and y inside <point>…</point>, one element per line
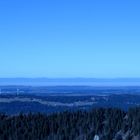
<point>72,81</point>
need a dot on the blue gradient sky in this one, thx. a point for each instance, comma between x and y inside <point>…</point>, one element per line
<point>70,38</point>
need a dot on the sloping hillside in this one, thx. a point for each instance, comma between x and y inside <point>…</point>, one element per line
<point>98,124</point>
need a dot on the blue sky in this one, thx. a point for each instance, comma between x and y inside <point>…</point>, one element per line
<point>70,38</point>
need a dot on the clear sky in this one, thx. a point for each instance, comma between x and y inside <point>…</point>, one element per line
<point>70,38</point>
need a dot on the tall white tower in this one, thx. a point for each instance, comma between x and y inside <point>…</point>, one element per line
<point>17,91</point>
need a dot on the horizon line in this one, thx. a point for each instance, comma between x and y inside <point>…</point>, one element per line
<point>69,77</point>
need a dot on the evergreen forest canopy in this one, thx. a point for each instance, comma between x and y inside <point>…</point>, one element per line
<point>108,124</point>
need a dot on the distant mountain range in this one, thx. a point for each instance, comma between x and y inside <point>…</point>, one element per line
<point>71,81</point>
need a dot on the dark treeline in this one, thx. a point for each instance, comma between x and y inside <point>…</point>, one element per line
<point>108,124</point>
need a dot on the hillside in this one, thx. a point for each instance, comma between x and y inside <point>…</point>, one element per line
<point>102,124</point>
<point>14,104</point>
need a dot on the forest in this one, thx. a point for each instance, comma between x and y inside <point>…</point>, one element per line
<point>108,124</point>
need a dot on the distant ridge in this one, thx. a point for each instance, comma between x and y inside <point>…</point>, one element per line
<point>71,81</point>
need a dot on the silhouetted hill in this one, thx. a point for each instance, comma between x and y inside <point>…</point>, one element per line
<point>105,124</point>
<point>71,81</point>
